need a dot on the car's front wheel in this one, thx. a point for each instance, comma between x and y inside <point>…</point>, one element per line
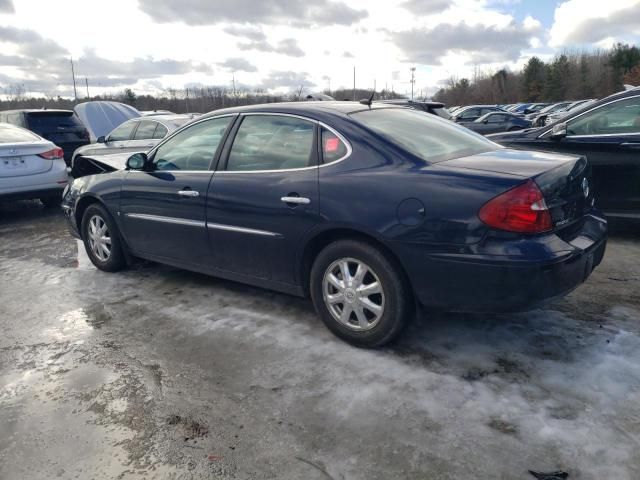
<point>360,294</point>
<point>101,239</point>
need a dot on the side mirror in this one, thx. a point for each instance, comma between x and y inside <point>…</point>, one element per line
<point>101,139</point>
<point>137,161</point>
<point>559,131</point>
<point>485,121</point>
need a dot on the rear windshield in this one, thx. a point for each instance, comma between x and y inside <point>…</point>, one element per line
<point>47,121</point>
<point>15,135</point>
<point>425,136</point>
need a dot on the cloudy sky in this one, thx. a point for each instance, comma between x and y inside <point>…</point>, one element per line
<point>280,45</point>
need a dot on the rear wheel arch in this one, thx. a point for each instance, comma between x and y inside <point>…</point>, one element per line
<point>322,239</point>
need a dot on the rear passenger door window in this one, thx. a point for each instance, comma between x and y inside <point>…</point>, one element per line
<point>145,130</point>
<point>272,142</point>
<point>160,132</point>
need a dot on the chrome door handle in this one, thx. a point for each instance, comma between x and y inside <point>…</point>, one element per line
<point>296,200</point>
<point>188,193</point>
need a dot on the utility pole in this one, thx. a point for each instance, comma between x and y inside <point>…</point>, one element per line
<point>233,79</point>
<point>86,82</point>
<point>354,83</point>
<point>73,74</point>
<point>413,80</point>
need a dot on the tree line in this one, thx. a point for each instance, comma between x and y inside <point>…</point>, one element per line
<point>568,76</point>
<point>186,100</point>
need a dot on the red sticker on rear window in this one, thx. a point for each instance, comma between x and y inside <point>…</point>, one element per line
<point>331,145</point>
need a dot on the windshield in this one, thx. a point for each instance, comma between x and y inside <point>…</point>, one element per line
<point>425,136</point>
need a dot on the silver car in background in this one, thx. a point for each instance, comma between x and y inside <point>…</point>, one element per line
<point>30,167</point>
<point>139,134</point>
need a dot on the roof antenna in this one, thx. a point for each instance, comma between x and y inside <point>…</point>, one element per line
<point>368,101</point>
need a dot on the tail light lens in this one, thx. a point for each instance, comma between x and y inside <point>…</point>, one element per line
<point>54,154</point>
<point>521,209</point>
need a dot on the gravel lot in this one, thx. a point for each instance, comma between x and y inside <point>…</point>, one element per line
<point>160,373</point>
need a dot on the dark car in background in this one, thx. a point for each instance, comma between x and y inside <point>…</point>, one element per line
<point>495,122</point>
<point>434,108</point>
<point>136,135</point>
<point>607,133</point>
<point>61,127</point>
<point>366,208</point>
<point>471,113</point>
<point>538,118</point>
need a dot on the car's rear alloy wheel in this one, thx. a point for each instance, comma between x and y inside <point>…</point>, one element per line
<point>360,293</point>
<point>101,239</point>
<point>353,294</point>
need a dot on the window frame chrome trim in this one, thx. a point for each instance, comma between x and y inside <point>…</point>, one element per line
<point>544,134</point>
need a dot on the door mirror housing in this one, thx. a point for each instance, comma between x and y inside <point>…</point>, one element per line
<point>485,121</point>
<point>137,161</point>
<point>101,139</point>
<point>559,131</point>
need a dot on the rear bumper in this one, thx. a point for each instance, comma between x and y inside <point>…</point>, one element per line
<point>31,194</point>
<point>526,273</point>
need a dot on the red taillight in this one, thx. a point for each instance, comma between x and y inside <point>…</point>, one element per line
<point>521,209</point>
<point>54,154</point>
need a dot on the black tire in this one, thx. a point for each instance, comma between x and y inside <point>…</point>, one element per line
<point>51,201</point>
<point>398,305</point>
<point>116,259</point>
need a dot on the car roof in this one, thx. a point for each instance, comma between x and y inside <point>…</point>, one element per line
<point>31,110</point>
<point>321,108</point>
<point>165,117</point>
<point>406,101</point>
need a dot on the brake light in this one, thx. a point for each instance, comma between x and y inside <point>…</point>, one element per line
<point>54,154</point>
<point>521,209</point>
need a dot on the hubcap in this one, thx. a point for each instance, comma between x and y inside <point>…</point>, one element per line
<point>353,294</point>
<point>99,238</point>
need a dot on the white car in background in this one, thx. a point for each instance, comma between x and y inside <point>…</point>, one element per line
<point>30,167</point>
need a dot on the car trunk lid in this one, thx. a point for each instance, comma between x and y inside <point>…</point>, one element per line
<point>564,180</point>
<point>19,159</point>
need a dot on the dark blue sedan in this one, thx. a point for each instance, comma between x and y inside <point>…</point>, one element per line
<point>367,209</point>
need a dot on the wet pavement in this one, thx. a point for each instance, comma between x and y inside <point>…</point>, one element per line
<point>156,372</point>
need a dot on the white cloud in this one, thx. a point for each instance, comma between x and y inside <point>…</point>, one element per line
<point>588,22</point>
<point>268,47</point>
